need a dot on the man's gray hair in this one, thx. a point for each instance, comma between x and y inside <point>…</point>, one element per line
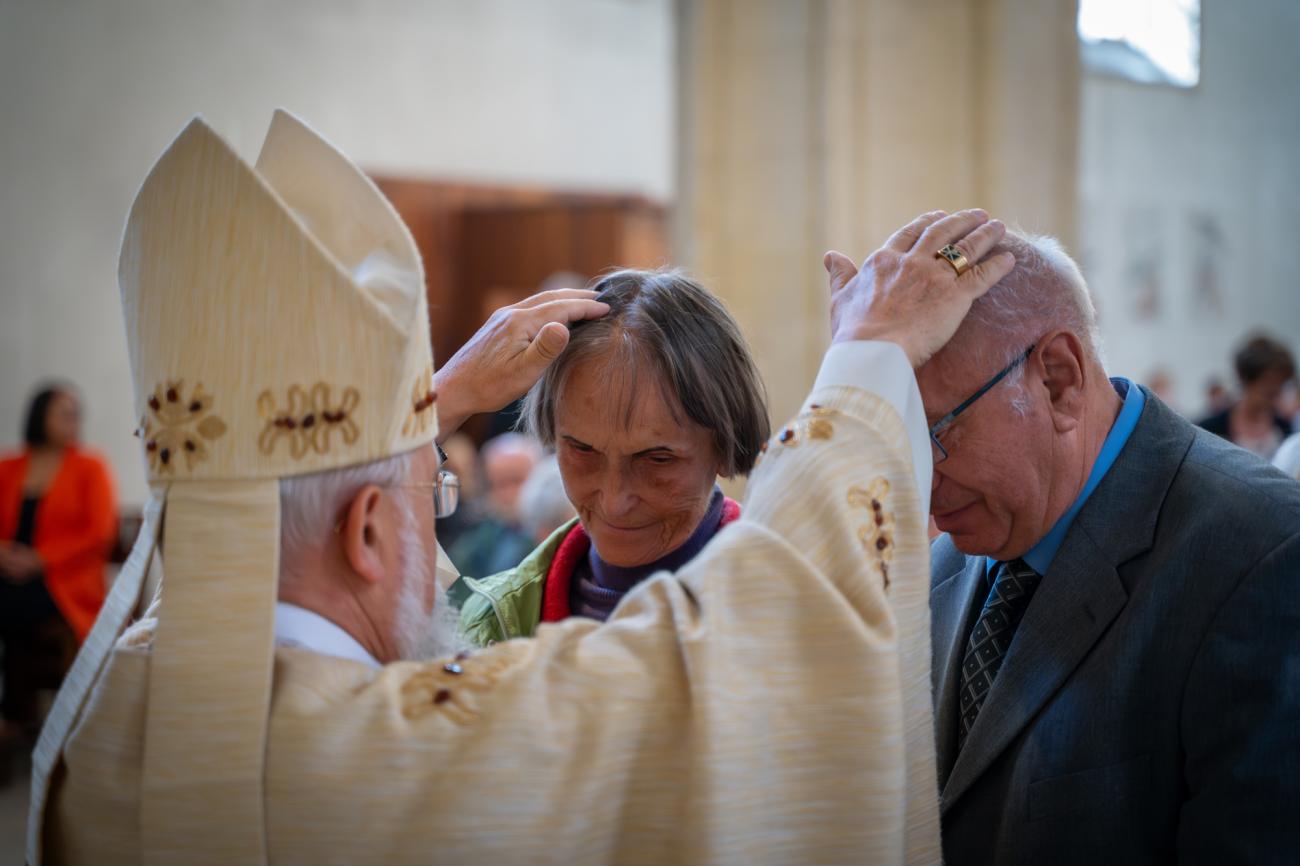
<point>1046,290</point>
<point>311,505</point>
<point>665,326</point>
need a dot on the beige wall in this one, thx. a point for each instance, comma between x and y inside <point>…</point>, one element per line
<point>571,93</point>
<point>828,123</point>
<point>1183,189</point>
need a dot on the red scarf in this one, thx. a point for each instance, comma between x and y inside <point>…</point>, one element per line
<point>573,549</point>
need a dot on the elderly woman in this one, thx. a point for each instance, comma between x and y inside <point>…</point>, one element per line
<point>645,407</point>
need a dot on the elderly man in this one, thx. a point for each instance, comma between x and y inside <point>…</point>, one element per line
<point>1116,618</point>
<point>766,704</point>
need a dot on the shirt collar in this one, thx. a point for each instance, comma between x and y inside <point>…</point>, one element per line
<point>298,627</point>
<point>1040,556</point>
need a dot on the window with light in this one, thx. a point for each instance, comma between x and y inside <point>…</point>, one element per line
<point>1148,41</point>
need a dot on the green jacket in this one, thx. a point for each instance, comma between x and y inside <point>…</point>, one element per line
<point>509,604</point>
<point>512,603</point>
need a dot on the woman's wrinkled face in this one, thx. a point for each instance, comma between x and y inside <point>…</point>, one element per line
<point>641,482</point>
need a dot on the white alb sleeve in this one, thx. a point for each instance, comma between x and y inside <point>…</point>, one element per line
<point>883,369</point>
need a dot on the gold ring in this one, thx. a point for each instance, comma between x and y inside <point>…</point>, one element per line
<point>953,256</point>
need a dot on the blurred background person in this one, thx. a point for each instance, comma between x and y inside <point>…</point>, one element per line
<point>508,460</point>
<point>645,407</point>
<point>58,523</point>
<point>496,541</point>
<point>543,505</point>
<point>1217,398</point>
<point>1263,367</point>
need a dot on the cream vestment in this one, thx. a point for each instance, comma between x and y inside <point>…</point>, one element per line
<point>770,703</point>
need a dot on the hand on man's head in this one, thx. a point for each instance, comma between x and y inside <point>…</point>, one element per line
<point>906,293</point>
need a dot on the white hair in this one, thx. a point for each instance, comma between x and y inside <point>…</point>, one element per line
<point>1044,291</point>
<point>312,505</point>
<point>421,635</point>
<point>543,504</point>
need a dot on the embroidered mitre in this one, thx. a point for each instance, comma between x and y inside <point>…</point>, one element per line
<point>278,325</point>
<point>276,314</point>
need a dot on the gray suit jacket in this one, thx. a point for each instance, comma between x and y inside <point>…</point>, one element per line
<point>1148,710</point>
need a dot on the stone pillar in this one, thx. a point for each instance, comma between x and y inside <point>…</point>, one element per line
<point>823,124</point>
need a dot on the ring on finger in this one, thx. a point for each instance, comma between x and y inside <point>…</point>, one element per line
<point>954,257</point>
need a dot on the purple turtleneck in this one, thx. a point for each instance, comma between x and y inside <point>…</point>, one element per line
<point>598,587</point>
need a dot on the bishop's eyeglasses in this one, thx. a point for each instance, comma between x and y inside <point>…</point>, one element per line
<point>445,489</point>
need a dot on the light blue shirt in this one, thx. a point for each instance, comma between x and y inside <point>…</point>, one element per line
<point>1040,556</point>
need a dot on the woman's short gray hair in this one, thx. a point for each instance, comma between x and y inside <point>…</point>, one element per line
<point>666,324</point>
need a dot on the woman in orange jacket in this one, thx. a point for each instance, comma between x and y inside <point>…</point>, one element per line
<point>58,522</point>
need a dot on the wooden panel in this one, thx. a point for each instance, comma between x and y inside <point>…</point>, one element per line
<point>482,244</point>
<point>432,210</point>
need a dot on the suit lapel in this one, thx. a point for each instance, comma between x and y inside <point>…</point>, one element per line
<point>951,605</point>
<point>1075,603</point>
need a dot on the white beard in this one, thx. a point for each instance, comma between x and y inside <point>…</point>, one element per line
<point>420,635</point>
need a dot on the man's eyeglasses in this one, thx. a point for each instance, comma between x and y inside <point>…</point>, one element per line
<point>937,450</point>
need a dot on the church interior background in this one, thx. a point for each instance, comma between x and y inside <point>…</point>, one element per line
<point>526,142</point>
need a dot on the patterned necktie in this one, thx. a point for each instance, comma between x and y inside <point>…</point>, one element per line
<point>991,638</point>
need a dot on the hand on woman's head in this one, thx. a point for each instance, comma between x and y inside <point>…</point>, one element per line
<point>507,355</point>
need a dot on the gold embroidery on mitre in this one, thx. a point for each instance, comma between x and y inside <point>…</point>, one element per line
<point>176,426</point>
<point>309,420</point>
<point>877,535</point>
<point>423,397</point>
